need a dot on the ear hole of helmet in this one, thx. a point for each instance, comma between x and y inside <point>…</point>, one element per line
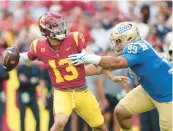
<point>129,39</point>
<point>118,41</point>
<point>170,52</point>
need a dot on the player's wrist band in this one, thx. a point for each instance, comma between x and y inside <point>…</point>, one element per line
<point>92,59</point>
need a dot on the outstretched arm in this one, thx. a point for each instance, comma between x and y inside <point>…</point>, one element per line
<point>107,62</point>
<point>106,69</point>
<point>112,63</point>
<point>11,56</point>
<point>93,70</point>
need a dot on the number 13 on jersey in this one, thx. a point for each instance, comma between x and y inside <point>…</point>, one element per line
<point>69,68</point>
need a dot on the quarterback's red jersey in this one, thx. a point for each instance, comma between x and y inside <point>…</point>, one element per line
<point>62,74</point>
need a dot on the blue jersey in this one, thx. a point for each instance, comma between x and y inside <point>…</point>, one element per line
<point>150,69</point>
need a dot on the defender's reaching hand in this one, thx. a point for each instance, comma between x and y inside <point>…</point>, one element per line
<point>83,58</point>
<point>78,59</point>
<point>121,79</point>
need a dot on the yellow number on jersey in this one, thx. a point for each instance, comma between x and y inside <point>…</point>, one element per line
<point>56,71</point>
<point>70,68</point>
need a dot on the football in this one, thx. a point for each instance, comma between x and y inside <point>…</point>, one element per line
<point>10,58</point>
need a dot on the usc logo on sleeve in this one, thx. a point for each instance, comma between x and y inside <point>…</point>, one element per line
<point>43,50</point>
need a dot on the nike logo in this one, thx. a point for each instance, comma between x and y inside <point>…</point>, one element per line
<point>68,48</point>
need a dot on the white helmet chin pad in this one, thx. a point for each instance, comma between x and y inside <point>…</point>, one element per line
<point>60,37</point>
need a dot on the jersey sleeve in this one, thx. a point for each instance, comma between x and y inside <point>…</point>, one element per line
<point>32,53</point>
<point>80,41</point>
<point>132,53</point>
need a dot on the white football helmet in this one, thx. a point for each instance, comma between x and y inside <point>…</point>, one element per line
<point>123,34</point>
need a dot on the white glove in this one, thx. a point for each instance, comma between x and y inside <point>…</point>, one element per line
<point>78,59</point>
<point>82,58</point>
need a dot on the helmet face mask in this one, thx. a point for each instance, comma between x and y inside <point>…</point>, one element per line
<point>59,28</point>
<point>53,25</point>
<point>123,34</point>
<point>117,46</point>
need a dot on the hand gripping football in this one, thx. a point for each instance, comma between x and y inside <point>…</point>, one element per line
<point>10,58</point>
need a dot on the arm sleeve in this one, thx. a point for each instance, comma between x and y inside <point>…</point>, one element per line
<point>131,59</point>
<point>80,41</point>
<point>32,53</point>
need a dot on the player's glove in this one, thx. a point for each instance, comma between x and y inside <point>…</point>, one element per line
<point>78,59</point>
<point>82,58</point>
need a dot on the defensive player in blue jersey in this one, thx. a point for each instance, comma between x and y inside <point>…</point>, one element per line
<point>155,89</point>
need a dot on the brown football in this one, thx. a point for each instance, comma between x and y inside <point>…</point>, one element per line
<point>10,58</point>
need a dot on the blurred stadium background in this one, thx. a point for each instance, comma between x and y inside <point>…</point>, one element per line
<point>95,19</point>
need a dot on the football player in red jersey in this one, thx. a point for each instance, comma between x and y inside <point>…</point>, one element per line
<point>70,89</point>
